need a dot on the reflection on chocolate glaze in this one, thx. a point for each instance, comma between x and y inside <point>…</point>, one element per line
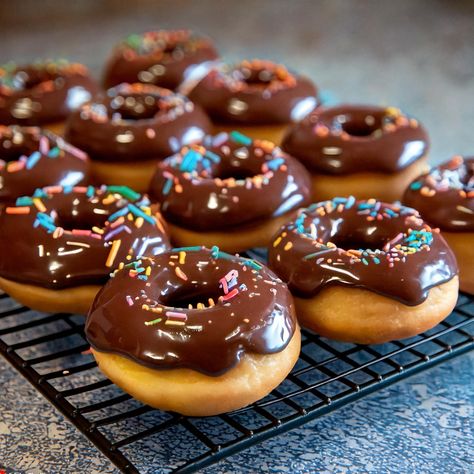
<point>43,92</point>
<point>445,195</point>
<point>197,308</point>
<point>136,122</point>
<point>355,138</point>
<point>384,248</point>
<point>253,92</point>
<point>163,58</point>
<point>227,181</point>
<point>67,236</point>
<point>31,158</point>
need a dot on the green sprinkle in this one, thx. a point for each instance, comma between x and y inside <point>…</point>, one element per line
<point>240,138</point>
<point>154,321</point>
<point>124,191</point>
<point>196,248</point>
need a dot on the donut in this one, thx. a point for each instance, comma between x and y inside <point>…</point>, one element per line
<point>259,98</point>
<point>364,271</point>
<point>445,198</point>
<point>229,190</point>
<point>60,245</point>
<point>43,93</point>
<point>129,128</point>
<point>361,150</point>
<point>163,58</point>
<point>203,333</point>
<point>32,158</point>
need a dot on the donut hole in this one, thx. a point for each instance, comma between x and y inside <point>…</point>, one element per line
<point>191,295</point>
<point>236,173</point>
<point>257,78</point>
<point>135,107</point>
<point>360,126</point>
<point>361,239</point>
<point>29,78</point>
<point>14,152</point>
<point>81,216</point>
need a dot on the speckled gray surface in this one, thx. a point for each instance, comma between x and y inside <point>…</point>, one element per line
<point>417,55</point>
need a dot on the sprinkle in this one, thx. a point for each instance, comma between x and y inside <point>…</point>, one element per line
<point>18,210</point>
<point>139,222</point>
<point>98,230</point>
<point>416,185</point>
<point>277,242</point>
<point>33,159</point>
<point>54,152</point>
<point>180,274</point>
<point>124,191</point>
<point>167,186</point>
<point>113,253</point>
<point>187,249</point>
<point>288,246</point>
<point>230,295</point>
<point>139,213</point>
<point>240,138</point>
<point>182,257</point>
<point>200,306</point>
<point>174,323</point>
<point>211,302</point>
<point>58,232</point>
<point>152,322</point>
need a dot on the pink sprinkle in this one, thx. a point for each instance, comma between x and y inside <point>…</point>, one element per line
<point>223,282</point>
<point>150,133</point>
<point>175,315</point>
<point>79,189</point>
<point>43,145</point>
<point>129,300</point>
<point>81,232</point>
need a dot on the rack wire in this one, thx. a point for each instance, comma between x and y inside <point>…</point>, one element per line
<point>50,350</point>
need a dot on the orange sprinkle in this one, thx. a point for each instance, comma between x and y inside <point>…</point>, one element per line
<point>113,253</point>
<point>18,210</point>
<point>288,246</point>
<point>180,274</point>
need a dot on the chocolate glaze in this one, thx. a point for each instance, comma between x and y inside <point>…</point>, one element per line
<point>445,195</point>
<point>253,92</point>
<point>131,317</point>
<point>136,122</point>
<point>355,138</point>
<point>384,248</point>
<point>163,58</point>
<point>227,181</point>
<point>67,236</point>
<point>31,158</point>
<point>43,92</point>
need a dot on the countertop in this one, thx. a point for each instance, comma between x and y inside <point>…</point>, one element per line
<point>415,55</point>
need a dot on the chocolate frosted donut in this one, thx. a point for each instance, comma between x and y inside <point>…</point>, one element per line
<point>31,158</point>
<point>445,195</point>
<point>365,271</point>
<point>359,149</point>
<point>197,308</point>
<point>254,92</point>
<point>136,122</point>
<point>445,198</point>
<point>385,248</point>
<point>229,183</point>
<point>163,58</point>
<point>43,92</point>
<point>65,237</point>
<point>126,130</point>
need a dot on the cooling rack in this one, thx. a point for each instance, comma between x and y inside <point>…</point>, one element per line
<point>51,352</point>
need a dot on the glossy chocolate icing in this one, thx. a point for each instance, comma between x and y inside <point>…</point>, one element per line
<point>445,195</point>
<point>253,92</point>
<point>43,92</point>
<point>229,180</point>
<point>238,306</point>
<point>136,122</point>
<point>163,58</point>
<point>31,158</point>
<point>70,236</point>
<point>355,138</point>
<point>384,248</point>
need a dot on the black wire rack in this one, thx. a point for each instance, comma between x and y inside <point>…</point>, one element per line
<point>51,352</point>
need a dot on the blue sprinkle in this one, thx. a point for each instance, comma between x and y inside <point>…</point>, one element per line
<point>54,152</point>
<point>167,186</point>
<point>90,191</point>
<point>190,160</point>
<point>350,202</point>
<point>33,159</point>
<point>416,185</point>
<point>137,212</point>
<point>24,201</point>
<point>212,156</point>
<point>187,249</point>
<point>120,212</point>
<point>240,138</point>
<point>364,261</point>
<point>215,251</point>
<point>67,189</point>
<point>275,163</point>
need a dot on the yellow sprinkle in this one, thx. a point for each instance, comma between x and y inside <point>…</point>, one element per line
<point>175,323</point>
<point>139,222</point>
<point>113,253</point>
<point>277,242</point>
<point>145,307</point>
<point>180,274</point>
<point>97,230</point>
<point>148,271</point>
<point>200,306</point>
<point>39,204</point>
<point>190,306</point>
<point>288,246</point>
<point>182,257</point>
<point>109,199</point>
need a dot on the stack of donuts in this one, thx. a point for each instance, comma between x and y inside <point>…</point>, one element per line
<point>133,202</point>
